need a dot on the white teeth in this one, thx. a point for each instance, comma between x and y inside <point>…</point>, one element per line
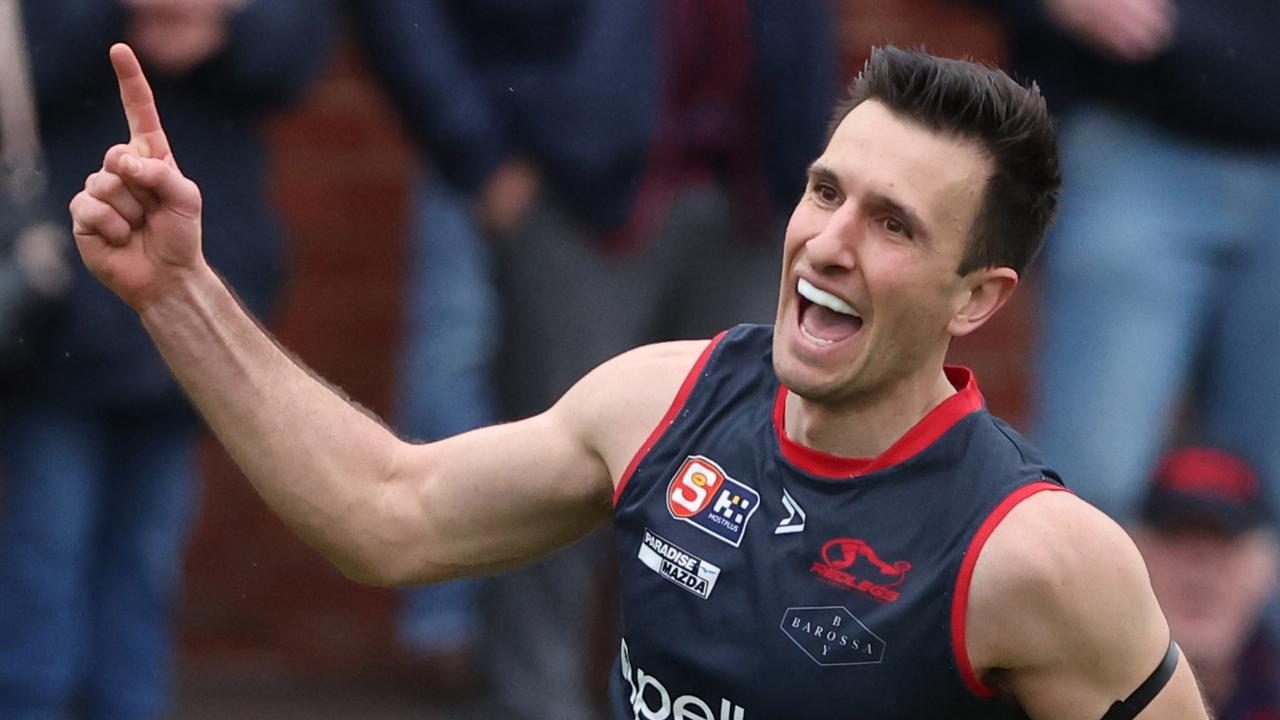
<point>823,298</point>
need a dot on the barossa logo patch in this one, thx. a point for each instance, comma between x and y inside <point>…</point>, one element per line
<point>832,636</point>
<point>703,495</point>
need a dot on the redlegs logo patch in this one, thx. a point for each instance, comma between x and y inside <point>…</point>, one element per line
<point>703,495</point>
<point>854,564</point>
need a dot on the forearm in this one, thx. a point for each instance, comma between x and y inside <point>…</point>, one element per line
<point>318,461</point>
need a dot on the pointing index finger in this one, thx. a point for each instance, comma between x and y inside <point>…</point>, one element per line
<point>146,134</point>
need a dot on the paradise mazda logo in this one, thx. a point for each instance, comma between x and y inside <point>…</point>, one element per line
<point>678,565</point>
<point>703,495</point>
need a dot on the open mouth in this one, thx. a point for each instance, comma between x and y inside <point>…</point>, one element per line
<point>825,318</point>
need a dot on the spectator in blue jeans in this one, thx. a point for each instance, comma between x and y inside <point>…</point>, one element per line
<point>97,444</point>
<point>475,186</point>
<point>445,388</point>
<point>1160,280</point>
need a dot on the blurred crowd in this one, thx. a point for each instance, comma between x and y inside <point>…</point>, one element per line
<point>591,175</point>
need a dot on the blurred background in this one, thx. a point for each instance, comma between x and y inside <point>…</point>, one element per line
<point>260,601</point>
<point>348,167</point>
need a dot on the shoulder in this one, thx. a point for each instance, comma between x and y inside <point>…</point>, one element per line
<point>1053,554</point>
<point>639,373</point>
<point>618,404</point>
<point>1061,604</point>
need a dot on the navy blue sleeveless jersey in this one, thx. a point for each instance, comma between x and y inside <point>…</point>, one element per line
<point>763,580</point>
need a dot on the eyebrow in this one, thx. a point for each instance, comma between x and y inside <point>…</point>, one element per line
<point>820,172</point>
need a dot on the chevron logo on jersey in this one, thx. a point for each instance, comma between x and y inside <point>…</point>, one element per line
<point>702,494</point>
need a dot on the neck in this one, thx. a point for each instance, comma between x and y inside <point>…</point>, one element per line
<point>865,426</point>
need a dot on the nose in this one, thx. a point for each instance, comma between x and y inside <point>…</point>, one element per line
<point>831,247</point>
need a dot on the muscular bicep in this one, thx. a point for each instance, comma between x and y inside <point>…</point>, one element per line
<point>502,495</point>
<point>507,494</point>
<point>1087,690</point>
<point>1068,623</point>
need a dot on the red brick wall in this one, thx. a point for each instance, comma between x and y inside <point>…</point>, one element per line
<point>340,171</point>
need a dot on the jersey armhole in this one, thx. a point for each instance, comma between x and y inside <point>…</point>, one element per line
<point>960,598</point>
<point>682,395</point>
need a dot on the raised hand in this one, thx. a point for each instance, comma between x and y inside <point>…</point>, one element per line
<point>137,221</point>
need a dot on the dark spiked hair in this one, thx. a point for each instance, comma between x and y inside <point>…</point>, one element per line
<point>1008,120</point>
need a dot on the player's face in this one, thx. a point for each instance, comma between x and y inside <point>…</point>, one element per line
<point>869,284</point>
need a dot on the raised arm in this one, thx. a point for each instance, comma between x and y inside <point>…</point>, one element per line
<point>384,511</point>
<point>1062,616</point>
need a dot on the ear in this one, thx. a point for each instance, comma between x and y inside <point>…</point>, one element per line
<point>987,290</point>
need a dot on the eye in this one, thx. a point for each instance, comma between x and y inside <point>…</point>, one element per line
<point>826,193</point>
<point>894,226</point>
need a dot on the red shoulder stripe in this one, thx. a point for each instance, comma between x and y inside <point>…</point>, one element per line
<point>960,599</point>
<point>685,388</point>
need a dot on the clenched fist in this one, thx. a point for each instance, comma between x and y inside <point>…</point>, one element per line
<point>137,221</point>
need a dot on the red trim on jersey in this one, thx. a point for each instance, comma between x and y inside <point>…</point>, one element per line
<point>685,388</point>
<point>960,599</point>
<point>942,418</point>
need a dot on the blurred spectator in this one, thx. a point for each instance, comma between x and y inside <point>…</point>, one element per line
<point>475,187</point>
<point>1161,274</point>
<point>1210,545</point>
<point>445,387</point>
<point>618,157</point>
<point>97,445</point>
